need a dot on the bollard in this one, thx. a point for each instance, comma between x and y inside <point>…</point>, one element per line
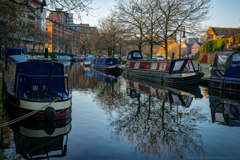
<point>198,66</point>
<point>201,68</point>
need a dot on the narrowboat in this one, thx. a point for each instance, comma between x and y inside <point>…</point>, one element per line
<point>225,107</point>
<point>63,58</point>
<point>183,95</point>
<point>76,59</point>
<point>175,72</point>
<point>88,60</point>
<point>37,85</point>
<point>225,73</point>
<point>106,65</point>
<point>107,78</point>
<point>11,51</point>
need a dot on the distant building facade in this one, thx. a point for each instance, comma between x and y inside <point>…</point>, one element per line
<point>66,19</point>
<point>32,29</point>
<point>215,33</point>
<point>61,38</point>
<point>195,48</point>
<point>186,47</point>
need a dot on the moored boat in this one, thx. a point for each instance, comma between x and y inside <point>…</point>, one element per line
<point>225,73</point>
<point>106,65</point>
<point>174,72</point>
<point>88,60</point>
<point>37,85</point>
<point>76,59</point>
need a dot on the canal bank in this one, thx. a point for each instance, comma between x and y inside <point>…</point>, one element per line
<point>1,105</point>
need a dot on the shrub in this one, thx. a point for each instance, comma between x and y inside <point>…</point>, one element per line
<point>212,46</point>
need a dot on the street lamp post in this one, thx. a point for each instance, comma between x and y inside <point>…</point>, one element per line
<point>183,37</point>
<point>120,50</point>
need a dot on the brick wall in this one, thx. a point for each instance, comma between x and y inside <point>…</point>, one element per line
<point>211,57</point>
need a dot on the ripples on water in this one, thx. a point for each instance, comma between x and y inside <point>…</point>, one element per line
<point>127,118</point>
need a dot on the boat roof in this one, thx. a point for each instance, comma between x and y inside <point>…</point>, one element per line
<point>104,58</point>
<point>20,58</point>
<point>224,53</point>
<point>16,48</point>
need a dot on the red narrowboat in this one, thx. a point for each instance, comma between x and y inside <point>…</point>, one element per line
<point>174,72</point>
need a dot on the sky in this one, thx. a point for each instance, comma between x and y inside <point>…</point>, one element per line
<point>224,13</point>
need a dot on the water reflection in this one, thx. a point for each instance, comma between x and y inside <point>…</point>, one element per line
<point>225,107</point>
<point>35,139</point>
<point>181,95</point>
<point>157,121</point>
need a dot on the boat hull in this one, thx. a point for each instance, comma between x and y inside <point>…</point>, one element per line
<point>165,77</point>
<point>227,84</point>
<point>113,71</point>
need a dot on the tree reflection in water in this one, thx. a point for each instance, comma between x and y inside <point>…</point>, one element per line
<point>157,129</point>
<point>152,124</point>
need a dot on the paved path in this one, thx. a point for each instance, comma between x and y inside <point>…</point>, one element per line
<point>205,66</point>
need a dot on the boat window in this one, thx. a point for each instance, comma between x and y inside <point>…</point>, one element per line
<point>154,66</point>
<point>178,65</point>
<point>137,54</point>
<point>129,56</point>
<point>236,58</point>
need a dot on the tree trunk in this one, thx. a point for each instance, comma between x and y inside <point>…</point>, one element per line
<point>166,48</point>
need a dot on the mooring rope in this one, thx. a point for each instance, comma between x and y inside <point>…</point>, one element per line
<point>26,115</point>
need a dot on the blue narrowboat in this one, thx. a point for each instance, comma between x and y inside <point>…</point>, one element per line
<point>88,60</point>
<point>225,73</point>
<point>37,85</point>
<point>106,65</point>
<point>11,51</point>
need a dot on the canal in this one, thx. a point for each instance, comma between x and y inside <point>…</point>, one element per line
<point>127,118</point>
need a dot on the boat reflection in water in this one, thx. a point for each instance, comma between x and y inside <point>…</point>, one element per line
<point>157,120</point>
<point>225,107</point>
<point>88,71</point>
<point>36,139</point>
<point>107,78</point>
<point>178,95</point>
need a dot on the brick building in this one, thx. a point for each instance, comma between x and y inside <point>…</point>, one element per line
<point>60,38</point>
<point>195,47</point>
<point>186,47</point>
<point>215,33</point>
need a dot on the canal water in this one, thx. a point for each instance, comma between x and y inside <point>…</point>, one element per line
<point>127,118</point>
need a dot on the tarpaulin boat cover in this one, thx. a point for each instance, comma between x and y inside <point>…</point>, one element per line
<point>221,61</point>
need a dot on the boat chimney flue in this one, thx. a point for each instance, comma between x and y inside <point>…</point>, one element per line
<point>46,52</point>
<point>173,56</point>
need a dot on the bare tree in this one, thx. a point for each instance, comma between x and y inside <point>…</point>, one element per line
<point>130,14</point>
<point>109,32</point>
<point>177,13</point>
<point>158,20</point>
